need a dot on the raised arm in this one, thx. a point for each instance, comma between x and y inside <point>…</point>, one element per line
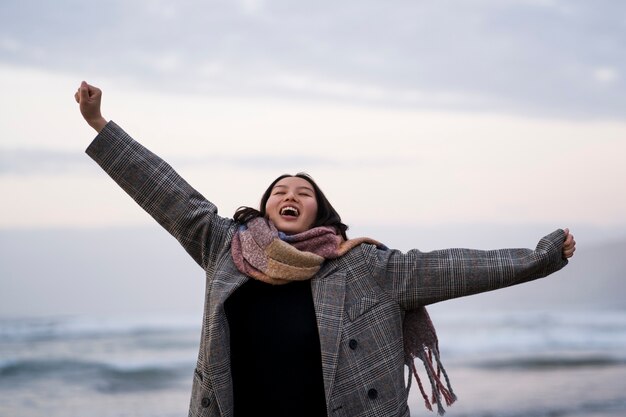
<point>154,185</point>
<point>419,278</point>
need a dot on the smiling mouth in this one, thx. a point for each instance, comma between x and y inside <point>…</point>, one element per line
<point>289,211</point>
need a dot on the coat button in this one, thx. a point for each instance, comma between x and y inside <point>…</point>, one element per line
<point>206,402</point>
<point>353,344</point>
<point>372,394</point>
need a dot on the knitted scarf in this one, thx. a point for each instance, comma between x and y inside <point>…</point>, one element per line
<point>262,252</point>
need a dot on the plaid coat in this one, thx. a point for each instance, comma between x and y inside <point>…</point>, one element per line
<point>360,296</point>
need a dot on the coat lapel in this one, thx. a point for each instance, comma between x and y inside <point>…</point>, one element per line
<point>218,350</point>
<point>328,289</point>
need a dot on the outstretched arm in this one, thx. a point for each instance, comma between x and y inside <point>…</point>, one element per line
<point>419,278</point>
<point>89,99</point>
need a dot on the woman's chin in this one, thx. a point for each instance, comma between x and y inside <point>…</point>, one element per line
<point>289,228</point>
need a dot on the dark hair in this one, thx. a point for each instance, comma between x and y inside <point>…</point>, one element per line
<point>326,214</point>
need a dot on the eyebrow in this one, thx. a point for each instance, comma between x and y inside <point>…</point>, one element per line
<point>302,187</point>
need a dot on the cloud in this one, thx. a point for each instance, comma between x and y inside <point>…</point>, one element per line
<point>606,75</point>
<point>529,56</point>
<point>252,6</point>
<point>309,84</point>
<point>25,162</point>
<point>9,45</point>
<point>15,161</point>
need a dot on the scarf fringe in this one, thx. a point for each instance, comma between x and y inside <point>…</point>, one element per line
<point>411,365</point>
<point>440,392</point>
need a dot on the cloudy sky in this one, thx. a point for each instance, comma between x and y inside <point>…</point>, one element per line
<point>477,123</point>
<point>419,112</point>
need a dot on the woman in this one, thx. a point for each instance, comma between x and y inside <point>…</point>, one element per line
<point>299,320</point>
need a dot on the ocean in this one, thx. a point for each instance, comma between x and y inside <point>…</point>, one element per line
<point>502,364</point>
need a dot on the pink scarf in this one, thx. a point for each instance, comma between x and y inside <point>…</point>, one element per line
<point>261,252</point>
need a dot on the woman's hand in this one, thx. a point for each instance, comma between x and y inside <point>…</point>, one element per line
<point>569,245</point>
<point>89,97</point>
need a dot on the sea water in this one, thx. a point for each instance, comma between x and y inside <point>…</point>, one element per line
<point>509,364</point>
<point>534,364</point>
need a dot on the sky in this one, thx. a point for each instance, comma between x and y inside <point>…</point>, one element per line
<point>439,114</point>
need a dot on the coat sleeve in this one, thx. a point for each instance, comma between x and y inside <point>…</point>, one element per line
<point>161,192</point>
<point>420,278</point>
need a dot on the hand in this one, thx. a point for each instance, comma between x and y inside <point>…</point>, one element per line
<point>569,245</point>
<point>89,97</point>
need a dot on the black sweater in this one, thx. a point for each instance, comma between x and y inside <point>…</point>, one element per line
<point>275,351</point>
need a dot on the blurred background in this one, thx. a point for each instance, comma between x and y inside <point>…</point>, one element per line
<point>428,124</point>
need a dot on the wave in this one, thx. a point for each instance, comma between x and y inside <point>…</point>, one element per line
<point>523,333</point>
<point>47,329</point>
<point>610,408</point>
<point>100,376</point>
<point>551,362</point>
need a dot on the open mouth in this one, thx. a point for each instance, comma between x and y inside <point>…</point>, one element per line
<point>289,211</point>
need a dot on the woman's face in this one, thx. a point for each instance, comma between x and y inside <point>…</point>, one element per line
<point>292,205</point>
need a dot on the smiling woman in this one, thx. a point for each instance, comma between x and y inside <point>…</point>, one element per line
<point>299,319</point>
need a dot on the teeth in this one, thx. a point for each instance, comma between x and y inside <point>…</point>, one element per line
<point>289,211</point>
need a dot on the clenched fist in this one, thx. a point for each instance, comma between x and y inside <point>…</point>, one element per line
<point>569,245</point>
<point>89,98</point>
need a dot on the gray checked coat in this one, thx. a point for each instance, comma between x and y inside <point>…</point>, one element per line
<point>360,296</point>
